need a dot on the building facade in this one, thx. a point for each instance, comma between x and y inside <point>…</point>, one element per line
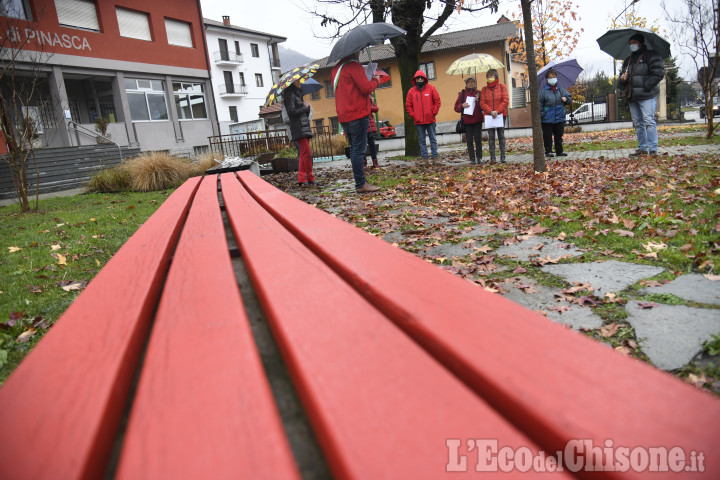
<point>244,64</point>
<point>438,53</point>
<point>140,65</point>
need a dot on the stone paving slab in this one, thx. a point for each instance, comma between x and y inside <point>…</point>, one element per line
<point>485,231</point>
<point>694,287</point>
<point>528,248</point>
<point>605,277</point>
<point>450,250</point>
<point>544,299</point>
<point>671,336</point>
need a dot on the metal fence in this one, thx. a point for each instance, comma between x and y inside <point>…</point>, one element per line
<point>249,143</point>
<point>322,142</point>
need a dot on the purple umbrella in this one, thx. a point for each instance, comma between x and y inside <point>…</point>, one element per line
<point>567,70</point>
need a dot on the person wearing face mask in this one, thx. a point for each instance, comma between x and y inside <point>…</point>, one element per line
<point>494,101</point>
<point>641,73</point>
<point>553,99</point>
<point>473,122</point>
<point>423,104</point>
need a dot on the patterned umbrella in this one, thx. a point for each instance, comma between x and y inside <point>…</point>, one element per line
<point>474,63</point>
<point>299,73</point>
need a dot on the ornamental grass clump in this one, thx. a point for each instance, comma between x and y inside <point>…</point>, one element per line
<point>110,180</point>
<point>205,162</point>
<point>157,171</point>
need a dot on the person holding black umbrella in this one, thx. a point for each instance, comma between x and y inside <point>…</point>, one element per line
<point>641,73</point>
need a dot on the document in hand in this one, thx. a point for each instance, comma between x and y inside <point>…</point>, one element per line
<point>471,106</point>
<point>370,70</point>
<point>496,122</point>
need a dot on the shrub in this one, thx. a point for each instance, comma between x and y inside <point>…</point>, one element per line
<point>337,143</point>
<point>204,162</point>
<point>110,180</point>
<point>157,171</point>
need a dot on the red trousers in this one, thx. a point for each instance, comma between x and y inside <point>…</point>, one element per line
<point>305,172</point>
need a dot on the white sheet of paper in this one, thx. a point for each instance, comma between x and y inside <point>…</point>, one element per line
<point>471,106</point>
<point>496,122</point>
<point>370,70</point>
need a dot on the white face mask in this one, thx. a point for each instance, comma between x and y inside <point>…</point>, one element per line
<point>634,47</point>
<point>552,81</point>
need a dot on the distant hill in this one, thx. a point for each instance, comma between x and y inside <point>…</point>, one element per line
<point>290,59</point>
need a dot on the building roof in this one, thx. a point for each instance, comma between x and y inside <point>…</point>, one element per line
<point>274,108</point>
<point>234,28</point>
<point>443,41</point>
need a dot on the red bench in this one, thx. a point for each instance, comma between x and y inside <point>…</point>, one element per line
<point>403,370</point>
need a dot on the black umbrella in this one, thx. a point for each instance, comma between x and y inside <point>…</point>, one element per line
<point>615,42</point>
<point>363,36</point>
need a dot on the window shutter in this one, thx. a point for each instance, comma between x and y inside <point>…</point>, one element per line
<point>178,33</point>
<point>133,24</point>
<point>77,13</point>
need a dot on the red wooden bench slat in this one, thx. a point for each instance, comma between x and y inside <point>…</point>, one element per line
<point>60,410</point>
<point>553,383</point>
<point>380,406</point>
<point>203,407</point>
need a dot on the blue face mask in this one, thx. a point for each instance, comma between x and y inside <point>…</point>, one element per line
<point>552,81</point>
<point>634,47</point>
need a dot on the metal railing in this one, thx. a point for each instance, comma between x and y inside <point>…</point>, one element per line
<point>87,132</point>
<point>233,89</point>
<point>222,56</point>
<point>321,144</point>
<point>249,143</point>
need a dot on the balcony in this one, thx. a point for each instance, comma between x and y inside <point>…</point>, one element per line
<point>275,63</point>
<point>232,90</point>
<point>224,57</point>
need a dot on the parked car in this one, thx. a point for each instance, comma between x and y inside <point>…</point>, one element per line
<point>385,129</point>
<point>587,112</point>
<point>715,108</point>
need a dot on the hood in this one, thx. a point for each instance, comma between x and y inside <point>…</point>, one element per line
<point>419,73</point>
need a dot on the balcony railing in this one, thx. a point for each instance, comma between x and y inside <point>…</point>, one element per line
<point>274,62</point>
<point>223,57</point>
<point>231,89</point>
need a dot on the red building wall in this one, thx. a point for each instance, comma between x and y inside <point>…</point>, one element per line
<point>46,34</point>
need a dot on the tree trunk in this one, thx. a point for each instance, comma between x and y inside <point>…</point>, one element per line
<point>408,61</point>
<point>538,149</point>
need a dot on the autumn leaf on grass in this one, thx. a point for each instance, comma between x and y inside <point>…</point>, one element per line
<point>588,300</point>
<point>519,269</point>
<point>62,260</point>
<point>484,249</point>
<point>562,236</point>
<point>579,287</point>
<point>629,224</point>
<point>697,380</point>
<point>70,285</point>
<point>646,305</point>
<point>55,247</point>
<point>624,233</point>
<point>579,233</point>
<point>624,350</point>
<point>612,298</point>
<point>537,230</point>
<point>653,246</point>
<point>14,249</point>
<point>607,331</point>
<point>712,278</point>
<point>34,288</point>
<point>25,336</point>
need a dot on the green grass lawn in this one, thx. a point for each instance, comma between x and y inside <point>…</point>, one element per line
<point>48,256</point>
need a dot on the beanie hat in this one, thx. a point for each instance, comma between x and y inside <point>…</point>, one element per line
<point>639,37</point>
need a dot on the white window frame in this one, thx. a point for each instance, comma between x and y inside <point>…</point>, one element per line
<point>424,67</point>
<point>259,81</point>
<point>148,90</point>
<point>77,14</point>
<point>178,33</point>
<point>255,50</point>
<point>133,24</point>
<point>188,94</point>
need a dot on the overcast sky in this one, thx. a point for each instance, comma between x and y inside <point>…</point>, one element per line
<point>289,18</point>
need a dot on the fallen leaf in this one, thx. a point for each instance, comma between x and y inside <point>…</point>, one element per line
<point>73,286</point>
<point>609,330</point>
<point>562,236</point>
<point>697,380</point>
<point>624,350</point>
<point>686,248</point>
<point>14,249</point>
<point>629,224</point>
<point>654,246</point>
<point>624,233</point>
<point>25,336</point>
<point>519,269</point>
<point>712,278</point>
<point>485,249</point>
<point>559,308</point>
<point>55,247</point>
<point>646,305</point>
<point>62,260</point>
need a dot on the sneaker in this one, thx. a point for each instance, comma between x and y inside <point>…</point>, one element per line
<point>549,154</point>
<point>302,184</point>
<point>638,153</point>
<point>502,160</point>
<point>561,154</point>
<point>367,188</point>
<point>312,183</point>
<point>653,153</point>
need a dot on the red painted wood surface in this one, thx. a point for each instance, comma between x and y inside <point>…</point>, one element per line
<point>60,410</point>
<point>203,407</point>
<point>381,407</point>
<point>554,384</point>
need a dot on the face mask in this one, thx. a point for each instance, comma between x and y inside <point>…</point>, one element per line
<point>552,81</point>
<point>634,48</point>
<point>490,79</point>
<point>419,82</point>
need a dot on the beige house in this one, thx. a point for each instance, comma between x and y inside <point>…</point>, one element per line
<point>438,53</point>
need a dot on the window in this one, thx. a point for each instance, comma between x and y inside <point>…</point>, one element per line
<point>178,33</point>
<point>242,79</point>
<point>190,100</point>
<point>233,114</point>
<point>319,124</point>
<point>146,99</point>
<point>315,95</point>
<point>428,69</point>
<point>133,24</point>
<point>255,50</point>
<point>77,14</point>
<point>258,79</point>
<point>229,86</point>
<point>329,92</point>
<point>237,48</point>
<point>387,84</point>
<point>14,9</point>
<point>224,54</point>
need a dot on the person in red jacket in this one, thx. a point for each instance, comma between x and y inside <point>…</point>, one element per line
<point>352,103</point>
<point>371,135</point>
<point>423,103</point>
<point>494,101</point>
<point>473,123</point>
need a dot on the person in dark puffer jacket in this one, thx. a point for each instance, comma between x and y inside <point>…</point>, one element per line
<point>642,71</point>
<point>553,99</point>
<point>300,131</point>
